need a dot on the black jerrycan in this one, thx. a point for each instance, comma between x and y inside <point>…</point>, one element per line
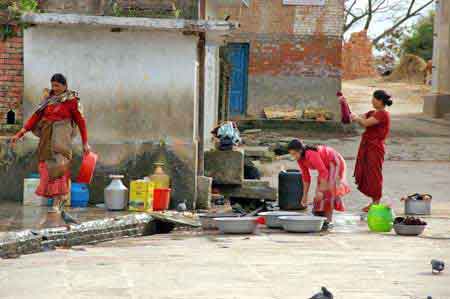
<point>290,189</point>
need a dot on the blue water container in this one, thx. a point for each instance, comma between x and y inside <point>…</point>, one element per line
<point>79,195</point>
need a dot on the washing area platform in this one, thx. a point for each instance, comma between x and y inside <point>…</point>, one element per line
<point>15,217</point>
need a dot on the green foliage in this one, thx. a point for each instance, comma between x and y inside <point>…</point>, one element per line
<point>178,13</point>
<point>117,10</point>
<point>420,41</point>
<point>132,12</point>
<point>28,5</point>
<point>15,11</point>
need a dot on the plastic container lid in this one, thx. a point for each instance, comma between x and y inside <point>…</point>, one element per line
<point>34,176</point>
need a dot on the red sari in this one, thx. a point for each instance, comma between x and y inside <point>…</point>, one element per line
<point>369,163</point>
<point>56,117</point>
<point>331,168</point>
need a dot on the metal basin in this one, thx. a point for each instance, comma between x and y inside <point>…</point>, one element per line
<point>209,223</point>
<point>417,207</point>
<point>409,230</point>
<point>302,224</point>
<point>239,225</point>
<point>272,218</point>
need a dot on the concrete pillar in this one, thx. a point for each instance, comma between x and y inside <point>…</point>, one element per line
<point>438,103</point>
<point>212,76</point>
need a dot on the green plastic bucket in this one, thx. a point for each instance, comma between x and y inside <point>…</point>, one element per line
<point>380,219</point>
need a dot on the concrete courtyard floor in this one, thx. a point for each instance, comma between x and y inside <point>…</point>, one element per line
<point>350,261</point>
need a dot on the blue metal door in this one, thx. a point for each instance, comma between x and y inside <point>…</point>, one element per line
<point>238,57</point>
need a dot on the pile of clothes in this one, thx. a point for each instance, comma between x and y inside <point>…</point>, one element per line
<point>228,135</point>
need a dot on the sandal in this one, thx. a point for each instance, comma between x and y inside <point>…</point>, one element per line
<point>327,226</point>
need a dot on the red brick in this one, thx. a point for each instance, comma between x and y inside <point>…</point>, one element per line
<point>357,57</point>
<point>11,76</point>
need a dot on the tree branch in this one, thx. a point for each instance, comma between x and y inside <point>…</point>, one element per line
<point>410,14</point>
<point>369,15</point>
<point>348,11</point>
<point>355,20</point>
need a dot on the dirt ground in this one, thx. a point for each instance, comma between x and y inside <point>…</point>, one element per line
<point>408,98</point>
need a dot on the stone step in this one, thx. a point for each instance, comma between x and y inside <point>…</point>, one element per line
<point>251,189</point>
<point>225,167</point>
<point>259,153</point>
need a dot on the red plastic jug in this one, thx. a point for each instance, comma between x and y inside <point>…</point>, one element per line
<point>87,168</point>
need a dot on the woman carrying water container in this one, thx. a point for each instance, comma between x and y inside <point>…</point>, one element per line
<point>369,163</point>
<point>53,122</point>
<point>331,182</point>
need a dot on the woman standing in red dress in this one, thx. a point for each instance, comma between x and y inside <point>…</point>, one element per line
<point>54,123</point>
<point>369,163</point>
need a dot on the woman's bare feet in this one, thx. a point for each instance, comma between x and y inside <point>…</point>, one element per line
<point>374,202</point>
<point>366,209</point>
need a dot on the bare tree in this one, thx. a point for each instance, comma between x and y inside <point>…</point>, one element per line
<point>396,12</point>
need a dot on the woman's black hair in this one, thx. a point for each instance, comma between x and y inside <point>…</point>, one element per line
<point>383,96</point>
<point>299,146</point>
<point>59,78</point>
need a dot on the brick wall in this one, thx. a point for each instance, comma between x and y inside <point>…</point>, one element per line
<point>357,57</point>
<point>11,77</point>
<point>327,20</point>
<point>295,53</point>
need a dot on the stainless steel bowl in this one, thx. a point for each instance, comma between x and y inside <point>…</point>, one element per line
<point>272,218</point>
<point>302,224</point>
<point>239,225</point>
<point>409,230</point>
<point>207,220</point>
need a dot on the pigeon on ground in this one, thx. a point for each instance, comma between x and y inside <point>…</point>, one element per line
<point>437,266</point>
<point>68,219</point>
<point>181,207</point>
<point>324,294</point>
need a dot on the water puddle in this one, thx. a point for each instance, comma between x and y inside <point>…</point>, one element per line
<point>15,217</point>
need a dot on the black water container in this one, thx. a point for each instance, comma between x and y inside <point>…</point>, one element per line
<point>290,189</point>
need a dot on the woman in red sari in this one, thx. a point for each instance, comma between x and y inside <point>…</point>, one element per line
<point>369,163</point>
<point>54,123</point>
<point>331,184</point>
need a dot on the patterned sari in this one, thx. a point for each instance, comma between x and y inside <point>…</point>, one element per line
<point>55,149</point>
